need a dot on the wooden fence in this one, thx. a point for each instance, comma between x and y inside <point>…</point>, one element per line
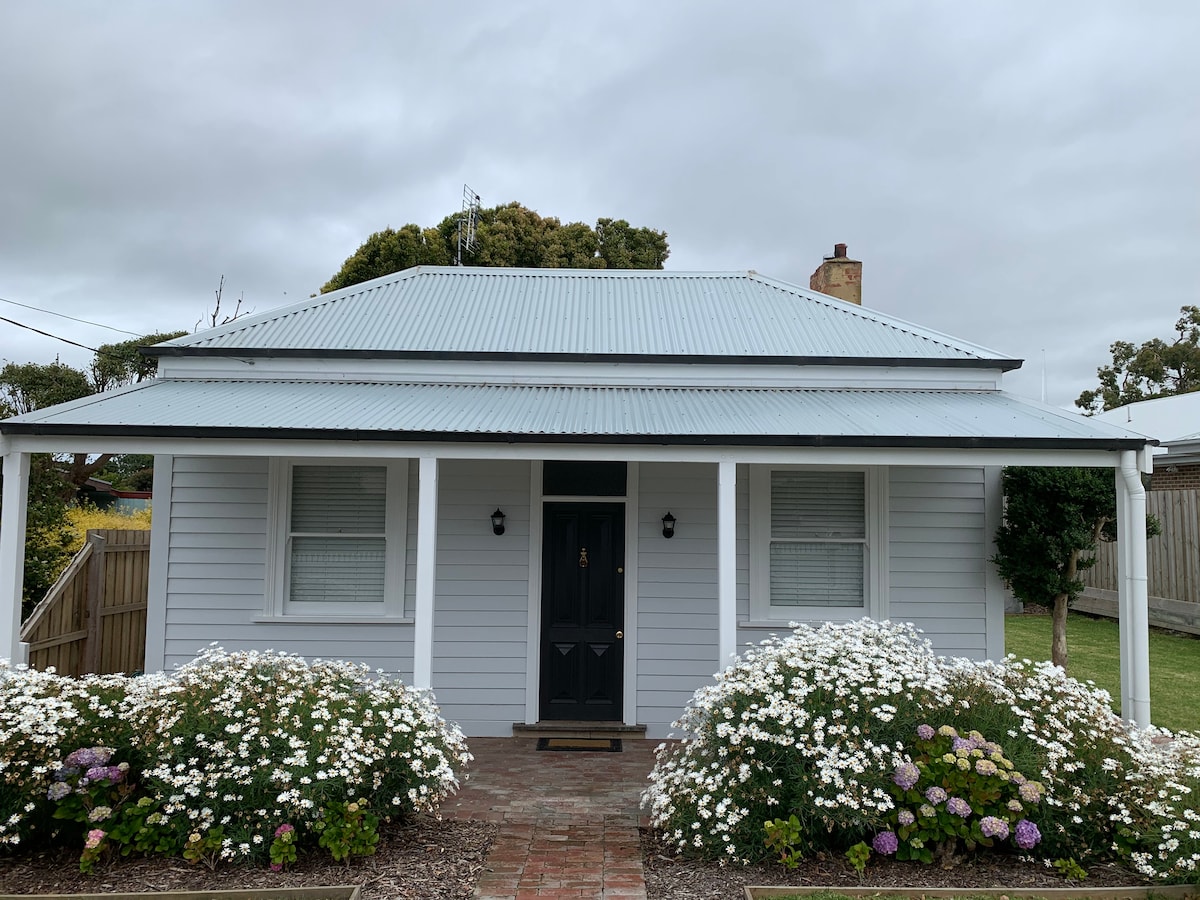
<point>93,619</point>
<point>1172,564</point>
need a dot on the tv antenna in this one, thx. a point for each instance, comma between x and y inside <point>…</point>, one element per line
<point>467,220</point>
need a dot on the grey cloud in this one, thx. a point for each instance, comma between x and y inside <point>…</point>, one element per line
<point>1019,176</point>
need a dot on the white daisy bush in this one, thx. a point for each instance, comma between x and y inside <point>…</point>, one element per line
<point>857,736</point>
<point>234,756</point>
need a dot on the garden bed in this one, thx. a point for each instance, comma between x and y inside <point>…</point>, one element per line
<point>341,892</point>
<point>425,859</point>
<point>670,876</point>
<point>1079,893</point>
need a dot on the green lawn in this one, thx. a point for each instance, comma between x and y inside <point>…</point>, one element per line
<point>1093,654</point>
<point>838,895</point>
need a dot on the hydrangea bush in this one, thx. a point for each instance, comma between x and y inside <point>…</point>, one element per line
<point>233,756</point>
<point>957,788</point>
<point>869,739</point>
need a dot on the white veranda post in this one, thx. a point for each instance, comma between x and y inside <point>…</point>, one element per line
<point>726,563</point>
<point>12,553</point>
<point>427,506</point>
<point>1133,591</point>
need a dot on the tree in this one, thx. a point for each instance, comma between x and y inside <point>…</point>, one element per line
<point>116,365</point>
<point>1153,369</point>
<point>54,482</point>
<point>29,386</point>
<point>508,235</point>
<point>1053,520</point>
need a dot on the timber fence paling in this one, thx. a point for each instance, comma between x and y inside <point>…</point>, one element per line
<point>1172,558</point>
<point>94,617</point>
<point>123,610</point>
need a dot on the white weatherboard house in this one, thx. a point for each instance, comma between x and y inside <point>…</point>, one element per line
<point>678,463</point>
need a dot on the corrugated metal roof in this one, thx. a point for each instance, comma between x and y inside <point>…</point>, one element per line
<point>358,411</point>
<point>583,311</point>
<point>1169,419</point>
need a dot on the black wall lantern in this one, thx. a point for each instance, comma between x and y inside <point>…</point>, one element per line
<point>668,525</point>
<point>497,522</point>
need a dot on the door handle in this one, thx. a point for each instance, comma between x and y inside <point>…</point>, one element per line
<point>620,634</point>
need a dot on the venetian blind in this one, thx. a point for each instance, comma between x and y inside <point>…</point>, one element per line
<point>338,534</point>
<point>818,531</point>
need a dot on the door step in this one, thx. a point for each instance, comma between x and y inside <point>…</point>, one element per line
<point>581,730</point>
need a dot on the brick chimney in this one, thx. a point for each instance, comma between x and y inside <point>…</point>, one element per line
<point>839,276</point>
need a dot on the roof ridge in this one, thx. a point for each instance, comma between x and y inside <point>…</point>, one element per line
<point>625,311</point>
<point>880,318</point>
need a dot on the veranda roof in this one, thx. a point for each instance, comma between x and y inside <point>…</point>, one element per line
<point>362,411</point>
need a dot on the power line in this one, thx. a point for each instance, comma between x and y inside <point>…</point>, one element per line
<point>65,316</point>
<point>49,335</point>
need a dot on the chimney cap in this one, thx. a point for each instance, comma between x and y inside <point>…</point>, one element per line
<point>839,251</point>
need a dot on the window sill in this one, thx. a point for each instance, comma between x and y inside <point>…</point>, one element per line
<point>334,620</point>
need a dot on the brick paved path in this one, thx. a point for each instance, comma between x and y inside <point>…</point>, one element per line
<point>568,820</point>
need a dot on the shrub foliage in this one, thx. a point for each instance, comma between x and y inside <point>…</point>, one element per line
<point>853,735</point>
<point>234,756</point>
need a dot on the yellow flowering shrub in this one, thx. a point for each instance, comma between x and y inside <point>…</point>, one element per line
<point>83,518</point>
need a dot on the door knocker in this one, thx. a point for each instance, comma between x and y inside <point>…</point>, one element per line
<point>583,560</point>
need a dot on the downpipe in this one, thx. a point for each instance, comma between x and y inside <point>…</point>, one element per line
<point>1134,526</point>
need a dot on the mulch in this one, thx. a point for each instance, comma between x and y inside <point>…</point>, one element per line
<point>430,859</point>
<point>673,877</point>
<point>421,859</point>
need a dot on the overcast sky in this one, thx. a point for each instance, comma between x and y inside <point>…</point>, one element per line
<point>1022,175</point>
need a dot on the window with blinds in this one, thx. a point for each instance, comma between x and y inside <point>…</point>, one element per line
<point>337,537</point>
<point>817,538</point>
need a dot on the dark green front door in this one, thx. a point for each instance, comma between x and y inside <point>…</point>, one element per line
<point>582,611</point>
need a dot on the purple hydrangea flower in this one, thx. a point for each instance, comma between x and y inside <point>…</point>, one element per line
<point>1029,792</point>
<point>935,795</point>
<point>58,790</point>
<point>886,843</point>
<point>1027,836</point>
<point>961,743</point>
<point>993,827</point>
<point>905,817</point>
<point>111,774</point>
<point>89,757</point>
<point>906,775</point>
<point>957,806</point>
<point>925,732</point>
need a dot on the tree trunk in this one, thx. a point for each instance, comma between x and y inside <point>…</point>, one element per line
<point>80,470</point>
<point>1058,633</point>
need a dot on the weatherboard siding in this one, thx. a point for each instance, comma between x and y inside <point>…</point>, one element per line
<point>937,556</point>
<point>216,575</point>
<point>481,615</point>
<point>677,590</point>
<point>217,557</point>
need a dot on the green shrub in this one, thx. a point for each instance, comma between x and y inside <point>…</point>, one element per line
<point>216,758</point>
<point>819,724</point>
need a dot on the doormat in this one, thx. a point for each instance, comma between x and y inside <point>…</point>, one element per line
<point>602,745</point>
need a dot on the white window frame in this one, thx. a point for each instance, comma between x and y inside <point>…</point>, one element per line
<point>391,608</point>
<point>874,549</point>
